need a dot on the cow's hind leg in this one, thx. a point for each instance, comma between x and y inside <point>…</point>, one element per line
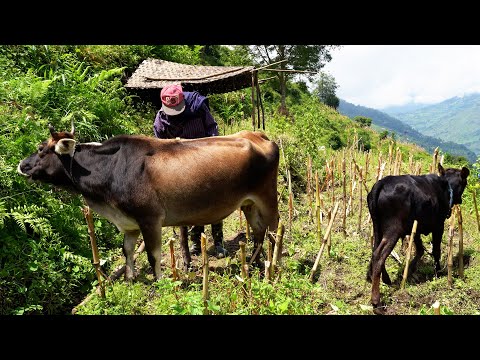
<point>377,234</point>
<point>379,257</point>
<point>152,235</point>
<point>129,241</point>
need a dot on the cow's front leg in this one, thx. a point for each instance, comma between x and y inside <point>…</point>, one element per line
<point>152,235</point>
<point>129,241</point>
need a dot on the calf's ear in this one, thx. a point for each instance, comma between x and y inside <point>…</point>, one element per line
<point>441,170</point>
<point>465,172</point>
<point>65,146</point>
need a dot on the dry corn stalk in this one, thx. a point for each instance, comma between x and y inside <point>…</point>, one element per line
<point>277,251</point>
<point>360,197</point>
<point>451,232</point>
<point>325,237</point>
<point>474,195</point>
<point>409,252</point>
<point>460,242</point>
<point>87,212</point>
<point>205,293</point>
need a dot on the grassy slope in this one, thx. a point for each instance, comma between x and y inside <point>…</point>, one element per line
<point>340,286</point>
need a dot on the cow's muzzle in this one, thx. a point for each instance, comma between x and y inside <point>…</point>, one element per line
<point>19,170</point>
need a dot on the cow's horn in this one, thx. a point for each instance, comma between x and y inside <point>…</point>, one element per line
<point>51,128</point>
<point>73,129</point>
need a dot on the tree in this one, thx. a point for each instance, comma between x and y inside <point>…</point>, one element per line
<point>363,121</point>
<point>326,90</point>
<point>293,57</point>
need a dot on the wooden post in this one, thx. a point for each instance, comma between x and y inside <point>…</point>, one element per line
<point>325,237</point>
<point>318,209</point>
<point>398,161</point>
<point>367,161</point>
<point>409,251</point>
<point>277,252</point>
<point>474,195</point>
<point>268,262</point>
<point>433,169</point>
<point>352,189</point>
<point>87,212</point>
<point>390,154</point>
<point>410,164</point>
<point>418,171</point>
<point>309,185</point>
<point>290,206</point>
<point>344,226</point>
<point>253,100</point>
<point>172,259</point>
<point>436,308</point>
<point>260,103</point>
<point>244,269</point>
<point>460,242</point>
<point>332,179</point>
<point>240,218</point>
<point>329,239</point>
<point>451,231</point>
<point>395,165</point>
<point>243,261</point>
<point>205,294</point>
<point>360,196</point>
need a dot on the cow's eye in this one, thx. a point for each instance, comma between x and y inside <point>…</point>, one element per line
<point>40,148</point>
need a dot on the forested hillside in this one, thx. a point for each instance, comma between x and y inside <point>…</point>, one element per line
<point>406,131</point>
<point>456,119</point>
<point>327,162</point>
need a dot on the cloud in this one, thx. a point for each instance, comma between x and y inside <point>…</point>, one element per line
<point>378,76</point>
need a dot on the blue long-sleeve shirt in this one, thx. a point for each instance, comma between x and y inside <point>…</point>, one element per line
<point>194,122</point>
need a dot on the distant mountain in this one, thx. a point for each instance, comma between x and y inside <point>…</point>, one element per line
<point>398,109</point>
<point>404,131</point>
<point>456,119</point>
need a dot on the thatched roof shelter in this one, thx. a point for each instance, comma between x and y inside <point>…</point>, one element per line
<point>153,74</point>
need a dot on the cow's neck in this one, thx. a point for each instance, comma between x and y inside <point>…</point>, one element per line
<point>83,172</point>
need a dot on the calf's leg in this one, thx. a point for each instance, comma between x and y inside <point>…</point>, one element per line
<point>379,257</point>
<point>419,251</point>
<point>436,242</point>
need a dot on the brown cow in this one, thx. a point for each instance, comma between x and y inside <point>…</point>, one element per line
<point>142,184</point>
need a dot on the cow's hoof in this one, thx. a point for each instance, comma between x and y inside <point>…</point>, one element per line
<point>379,310</point>
<point>220,251</point>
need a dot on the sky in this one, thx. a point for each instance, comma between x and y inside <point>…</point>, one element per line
<point>378,76</point>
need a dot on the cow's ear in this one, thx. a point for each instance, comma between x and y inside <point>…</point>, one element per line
<point>65,146</point>
<point>441,170</point>
<point>465,172</point>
